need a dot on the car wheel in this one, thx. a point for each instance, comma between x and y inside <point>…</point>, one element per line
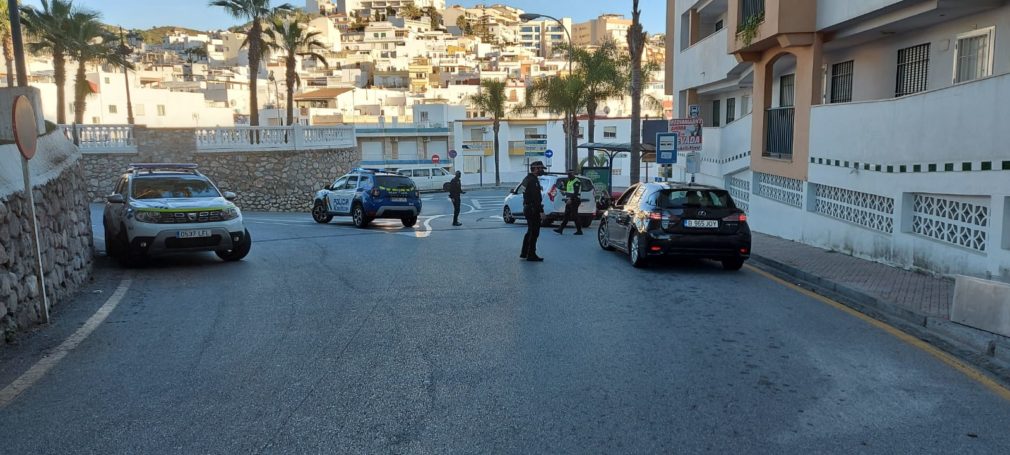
<point>586,221</point>
<point>238,251</point>
<point>358,215</point>
<point>114,247</point>
<point>319,213</point>
<point>635,251</point>
<point>409,221</point>
<point>732,264</point>
<point>603,236</point>
<point>127,256</point>
<point>507,216</point>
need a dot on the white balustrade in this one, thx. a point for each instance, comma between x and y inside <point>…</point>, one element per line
<point>101,138</point>
<point>296,137</point>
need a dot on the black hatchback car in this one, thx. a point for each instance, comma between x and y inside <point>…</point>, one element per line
<point>677,219</point>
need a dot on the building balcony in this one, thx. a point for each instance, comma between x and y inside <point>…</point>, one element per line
<point>764,24</point>
<point>517,148</point>
<point>709,62</point>
<point>486,146</point>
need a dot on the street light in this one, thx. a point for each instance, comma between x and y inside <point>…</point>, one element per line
<point>570,155</point>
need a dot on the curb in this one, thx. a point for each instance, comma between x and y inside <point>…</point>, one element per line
<point>983,350</point>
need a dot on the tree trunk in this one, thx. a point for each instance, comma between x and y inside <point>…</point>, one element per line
<point>591,129</point>
<point>290,78</point>
<point>573,133</point>
<point>81,91</point>
<point>9,59</point>
<point>636,44</point>
<point>497,170</point>
<point>60,77</point>
<point>255,35</point>
<point>566,128</point>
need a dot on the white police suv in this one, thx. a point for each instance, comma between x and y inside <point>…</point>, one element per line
<point>159,208</point>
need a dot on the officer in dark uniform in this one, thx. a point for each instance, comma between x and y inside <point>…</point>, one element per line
<point>572,190</point>
<point>533,210</point>
<point>455,190</point>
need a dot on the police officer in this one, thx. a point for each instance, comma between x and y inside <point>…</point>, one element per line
<point>573,193</point>
<point>533,210</point>
<point>455,190</point>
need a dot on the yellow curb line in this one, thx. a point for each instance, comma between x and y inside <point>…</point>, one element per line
<point>953,362</point>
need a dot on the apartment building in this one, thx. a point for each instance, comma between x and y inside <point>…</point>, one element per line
<point>605,27</point>
<point>874,127</point>
<point>541,36</point>
<point>367,8</point>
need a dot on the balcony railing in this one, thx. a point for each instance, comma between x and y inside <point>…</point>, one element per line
<point>103,138</point>
<point>751,8</point>
<point>779,133</point>
<point>296,137</point>
<point>486,146</point>
<point>517,148</point>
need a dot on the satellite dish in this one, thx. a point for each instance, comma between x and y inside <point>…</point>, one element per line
<point>606,110</point>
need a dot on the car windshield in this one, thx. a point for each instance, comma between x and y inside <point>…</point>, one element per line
<point>676,199</point>
<point>394,183</point>
<point>175,186</point>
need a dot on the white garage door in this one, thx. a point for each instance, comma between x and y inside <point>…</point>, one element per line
<point>371,151</point>
<point>407,150</point>
<point>440,148</point>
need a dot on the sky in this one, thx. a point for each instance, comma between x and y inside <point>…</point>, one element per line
<point>197,15</point>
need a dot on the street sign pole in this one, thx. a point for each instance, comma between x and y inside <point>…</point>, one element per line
<point>26,136</point>
<point>40,279</point>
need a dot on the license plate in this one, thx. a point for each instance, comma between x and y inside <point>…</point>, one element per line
<point>193,234</point>
<point>399,199</point>
<point>704,224</point>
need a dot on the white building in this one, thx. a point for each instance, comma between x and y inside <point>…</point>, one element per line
<point>872,127</point>
<point>367,8</point>
<point>542,35</point>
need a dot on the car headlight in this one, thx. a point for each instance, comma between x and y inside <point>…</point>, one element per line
<point>230,213</point>
<point>145,216</point>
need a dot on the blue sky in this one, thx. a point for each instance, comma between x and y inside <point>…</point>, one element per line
<point>196,14</point>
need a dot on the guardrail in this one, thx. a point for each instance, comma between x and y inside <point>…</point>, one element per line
<point>101,138</point>
<point>253,138</point>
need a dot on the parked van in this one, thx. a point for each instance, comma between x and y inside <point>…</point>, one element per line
<point>427,177</point>
<point>554,202</point>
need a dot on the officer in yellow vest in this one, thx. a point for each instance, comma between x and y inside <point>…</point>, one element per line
<point>573,193</point>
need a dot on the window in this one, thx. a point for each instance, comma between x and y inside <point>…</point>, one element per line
<point>582,132</point>
<point>973,55</point>
<point>138,109</point>
<point>161,110</point>
<point>841,82</point>
<point>338,184</point>
<point>718,25</point>
<point>730,110</point>
<point>471,164</point>
<point>113,109</point>
<point>530,132</point>
<point>715,113</point>
<point>107,81</point>
<point>913,66</point>
<point>422,173</point>
<point>745,105</point>
<point>352,183</point>
<point>787,89</point>
<point>610,131</point>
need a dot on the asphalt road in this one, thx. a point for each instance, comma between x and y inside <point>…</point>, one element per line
<point>332,339</point>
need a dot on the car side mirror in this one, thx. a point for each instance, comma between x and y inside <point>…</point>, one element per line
<point>228,195</point>
<point>115,199</point>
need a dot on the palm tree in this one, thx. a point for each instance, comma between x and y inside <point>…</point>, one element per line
<point>411,11</point>
<point>560,95</point>
<point>292,38</point>
<point>256,11</point>
<point>605,73</point>
<point>491,99</point>
<point>8,42</point>
<point>88,42</point>
<point>48,28</point>
<point>636,44</point>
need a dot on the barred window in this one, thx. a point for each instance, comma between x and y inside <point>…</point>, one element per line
<point>841,82</point>
<point>913,69</point>
<point>973,58</point>
<point>787,90</point>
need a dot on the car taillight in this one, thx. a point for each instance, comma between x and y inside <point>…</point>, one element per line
<point>736,217</point>
<point>553,192</point>
<point>656,216</point>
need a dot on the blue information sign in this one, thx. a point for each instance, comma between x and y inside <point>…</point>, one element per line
<point>666,148</point>
<point>549,153</point>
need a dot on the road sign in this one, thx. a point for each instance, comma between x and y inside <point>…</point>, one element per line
<point>666,148</point>
<point>695,111</point>
<point>536,144</point>
<point>549,153</point>
<point>26,129</point>
<point>435,159</point>
<point>452,154</point>
<point>693,163</point>
<point>690,130</point>
<point>26,136</point>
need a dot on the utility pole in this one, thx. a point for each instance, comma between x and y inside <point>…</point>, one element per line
<point>14,13</point>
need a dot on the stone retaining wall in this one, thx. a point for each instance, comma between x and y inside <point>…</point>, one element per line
<point>64,227</point>
<point>277,181</point>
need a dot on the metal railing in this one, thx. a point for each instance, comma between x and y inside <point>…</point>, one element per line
<point>486,146</point>
<point>779,132</point>
<point>101,138</point>
<point>252,138</point>
<point>749,8</point>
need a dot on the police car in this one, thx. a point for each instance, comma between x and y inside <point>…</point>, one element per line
<point>366,194</point>
<point>159,208</point>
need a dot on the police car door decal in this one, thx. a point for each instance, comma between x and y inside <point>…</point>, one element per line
<point>343,197</point>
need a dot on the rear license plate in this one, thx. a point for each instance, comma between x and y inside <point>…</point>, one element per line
<point>704,224</point>
<point>193,234</point>
<point>399,199</point>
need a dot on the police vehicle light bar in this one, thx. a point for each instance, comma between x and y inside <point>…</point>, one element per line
<point>141,166</point>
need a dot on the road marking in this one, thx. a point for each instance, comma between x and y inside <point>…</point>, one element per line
<point>476,203</point>
<point>953,362</point>
<point>37,371</point>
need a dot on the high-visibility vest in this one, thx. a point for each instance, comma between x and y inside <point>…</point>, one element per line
<point>571,185</point>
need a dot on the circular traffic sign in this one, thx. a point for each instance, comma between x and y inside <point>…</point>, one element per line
<point>26,128</point>
<point>549,153</point>
<point>435,159</point>
<point>452,154</point>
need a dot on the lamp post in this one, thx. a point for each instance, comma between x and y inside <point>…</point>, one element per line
<point>125,51</point>
<point>570,156</point>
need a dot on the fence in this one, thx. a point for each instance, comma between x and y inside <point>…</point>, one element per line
<point>101,138</point>
<point>122,138</point>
